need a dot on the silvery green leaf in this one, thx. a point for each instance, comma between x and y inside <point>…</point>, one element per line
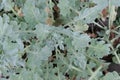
<point>20,2</point>
<point>6,18</point>
<point>81,41</point>
<point>7,4</point>
<point>89,14</point>
<point>20,44</point>
<point>29,12</point>
<point>45,53</point>
<point>111,76</point>
<point>38,55</point>
<point>64,8</point>
<point>32,14</point>
<point>98,49</point>
<point>115,2</point>
<point>42,31</point>
<point>23,26</point>
<point>40,3</point>
<point>79,26</point>
<point>80,60</point>
<point>12,48</point>
<point>104,3</point>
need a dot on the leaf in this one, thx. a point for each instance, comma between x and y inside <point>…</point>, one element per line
<point>38,55</point>
<point>42,31</point>
<point>98,49</point>
<point>89,14</point>
<point>111,76</point>
<point>20,2</point>
<point>115,2</point>
<point>80,60</point>
<point>104,3</point>
<point>29,12</point>
<point>58,40</point>
<point>30,49</point>
<point>6,18</point>
<point>32,14</point>
<point>79,26</point>
<point>55,77</point>
<point>5,28</point>
<point>64,7</point>
<point>31,75</point>
<point>45,53</point>
<point>80,41</point>
<point>11,45</point>
<point>7,5</point>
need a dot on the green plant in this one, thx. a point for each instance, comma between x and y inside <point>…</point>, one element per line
<point>33,47</point>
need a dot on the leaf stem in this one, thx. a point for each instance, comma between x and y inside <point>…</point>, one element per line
<point>75,68</point>
<point>25,31</point>
<point>58,74</point>
<point>95,73</point>
<point>77,12</point>
<point>114,51</point>
<point>117,57</point>
<point>14,11</point>
<point>98,62</point>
